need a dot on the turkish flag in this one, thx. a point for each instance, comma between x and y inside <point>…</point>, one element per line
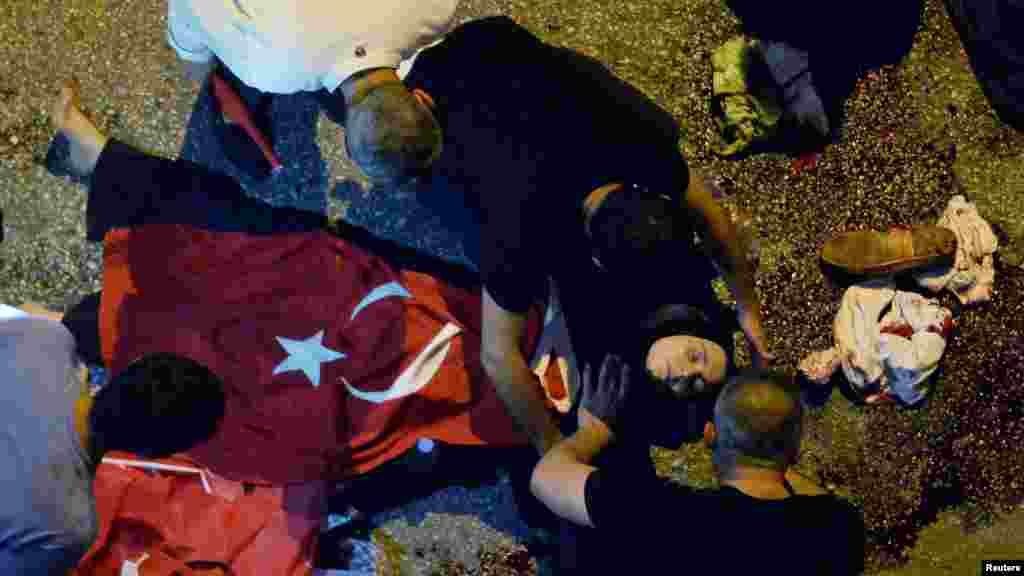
<point>334,361</point>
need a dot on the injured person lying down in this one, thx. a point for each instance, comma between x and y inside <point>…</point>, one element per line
<point>329,358</point>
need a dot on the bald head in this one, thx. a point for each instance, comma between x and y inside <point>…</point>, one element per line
<point>758,419</point>
<point>390,134</point>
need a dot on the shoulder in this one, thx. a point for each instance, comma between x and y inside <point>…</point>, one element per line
<point>803,485</point>
<point>36,332</point>
<point>839,514</point>
<point>614,492</point>
<point>497,35</point>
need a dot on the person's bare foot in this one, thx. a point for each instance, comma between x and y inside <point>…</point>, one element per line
<point>86,140</point>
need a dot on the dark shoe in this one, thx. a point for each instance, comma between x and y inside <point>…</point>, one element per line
<point>873,253</point>
<point>244,140</point>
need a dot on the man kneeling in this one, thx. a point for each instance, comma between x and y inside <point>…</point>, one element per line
<point>763,514</point>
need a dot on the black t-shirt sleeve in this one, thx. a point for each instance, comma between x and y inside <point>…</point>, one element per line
<point>515,289</point>
<point>617,497</point>
<point>513,233</point>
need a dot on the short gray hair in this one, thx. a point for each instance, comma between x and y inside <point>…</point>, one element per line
<point>390,136</point>
<point>759,420</point>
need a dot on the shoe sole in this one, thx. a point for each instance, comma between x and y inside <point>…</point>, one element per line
<point>870,252</point>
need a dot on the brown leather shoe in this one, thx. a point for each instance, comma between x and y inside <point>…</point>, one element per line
<point>870,252</point>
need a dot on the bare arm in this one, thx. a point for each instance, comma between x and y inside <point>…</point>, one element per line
<point>803,485</point>
<point>517,386</point>
<point>730,254</point>
<point>560,479</point>
<point>722,241</point>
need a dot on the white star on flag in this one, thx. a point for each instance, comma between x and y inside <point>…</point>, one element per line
<point>306,355</point>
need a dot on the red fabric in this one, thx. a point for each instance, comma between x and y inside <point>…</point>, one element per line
<point>906,331</point>
<point>903,330</point>
<point>232,105</point>
<point>223,299</point>
<point>252,530</point>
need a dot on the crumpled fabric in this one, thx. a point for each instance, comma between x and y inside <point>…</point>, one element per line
<point>753,107</point>
<point>745,118</point>
<point>973,274</point>
<point>170,516</point>
<point>884,339</point>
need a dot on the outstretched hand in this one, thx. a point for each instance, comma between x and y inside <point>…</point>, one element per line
<point>604,398</point>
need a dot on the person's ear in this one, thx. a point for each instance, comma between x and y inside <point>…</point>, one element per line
<point>710,434</point>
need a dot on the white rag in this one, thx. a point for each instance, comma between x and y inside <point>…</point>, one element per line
<point>896,351</point>
<point>973,274</point>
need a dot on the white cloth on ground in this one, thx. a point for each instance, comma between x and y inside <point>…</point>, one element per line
<point>972,276</point>
<point>897,350</point>
<point>304,45</point>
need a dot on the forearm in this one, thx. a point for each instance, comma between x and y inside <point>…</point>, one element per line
<point>521,393</point>
<point>583,446</point>
<point>727,249</point>
<point>560,478</point>
<point>730,253</point>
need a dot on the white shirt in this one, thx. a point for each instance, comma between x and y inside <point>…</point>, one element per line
<point>284,46</point>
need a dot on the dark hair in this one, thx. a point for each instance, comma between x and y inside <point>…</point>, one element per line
<point>389,135</point>
<point>670,418</point>
<point>634,226</point>
<point>159,405</point>
<point>686,320</point>
<point>759,419</point>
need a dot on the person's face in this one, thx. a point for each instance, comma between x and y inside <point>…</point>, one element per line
<point>675,356</point>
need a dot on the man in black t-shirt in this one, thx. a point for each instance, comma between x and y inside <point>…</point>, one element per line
<point>551,167</point>
<point>763,518</point>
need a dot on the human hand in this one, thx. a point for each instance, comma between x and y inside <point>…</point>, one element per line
<point>750,322</point>
<point>604,397</point>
